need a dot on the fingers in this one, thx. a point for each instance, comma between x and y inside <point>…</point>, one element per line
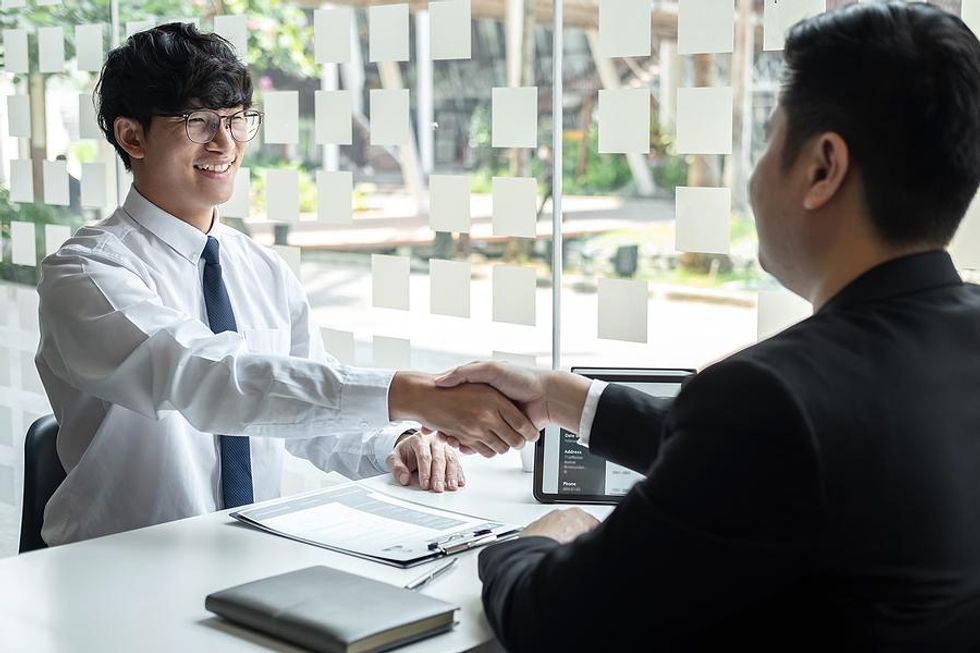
<point>437,476</point>
<point>423,455</point>
<point>519,422</point>
<point>483,372</point>
<point>454,471</point>
<point>508,435</point>
<point>399,469</point>
<point>482,449</point>
<point>454,442</point>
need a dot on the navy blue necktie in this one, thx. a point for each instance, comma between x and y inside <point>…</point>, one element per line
<point>236,468</point>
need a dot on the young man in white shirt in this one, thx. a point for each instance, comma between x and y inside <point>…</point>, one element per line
<point>166,337</point>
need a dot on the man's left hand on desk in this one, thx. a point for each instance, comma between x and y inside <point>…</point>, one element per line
<point>561,525</point>
<point>436,462</point>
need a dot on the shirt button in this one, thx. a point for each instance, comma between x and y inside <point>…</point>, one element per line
<point>364,424</point>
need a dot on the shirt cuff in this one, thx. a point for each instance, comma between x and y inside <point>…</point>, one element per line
<point>588,411</point>
<point>364,392</point>
<point>384,440</point>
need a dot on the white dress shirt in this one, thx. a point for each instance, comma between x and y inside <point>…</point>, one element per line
<point>141,386</point>
<point>589,409</point>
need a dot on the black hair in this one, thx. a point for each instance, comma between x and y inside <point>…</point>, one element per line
<point>163,70</point>
<point>900,83</point>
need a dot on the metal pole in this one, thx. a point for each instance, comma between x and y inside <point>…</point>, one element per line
<point>557,114</point>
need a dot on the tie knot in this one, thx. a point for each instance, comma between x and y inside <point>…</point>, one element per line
<point>210,253</point>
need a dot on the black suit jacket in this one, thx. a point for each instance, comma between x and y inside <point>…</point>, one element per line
<point>818,491</point>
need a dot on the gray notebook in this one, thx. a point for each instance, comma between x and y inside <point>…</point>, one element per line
<point>332,611</point>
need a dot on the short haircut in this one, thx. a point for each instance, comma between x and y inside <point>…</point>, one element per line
<point>900,83</point>
<point>168,69</point>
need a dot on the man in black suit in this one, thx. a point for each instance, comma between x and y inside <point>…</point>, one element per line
<point>820,490</point>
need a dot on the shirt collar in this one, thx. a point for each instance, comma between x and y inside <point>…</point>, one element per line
<point>900,276</point>
<point>186,240</point>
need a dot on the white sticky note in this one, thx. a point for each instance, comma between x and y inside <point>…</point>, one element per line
<point>389,117</point>
<point>524,360</point>
<point>778,309</point>
<point>449,29</point>
<point>623,309</point>
<point>389,281</point>
<point>21,180</point>
<point>15,51</point>
<point>514,291</point>
<point>965,248</point>
<point>449,287</point>
<point>515,117</point>
<point>332,115</point>
<point>93,185</point>
<point>334,196</point>
<point>51,49</point>
<point>134,26</point>
<point>55,236</point>
<point>970,14</point>
<point>514,206</point>
<point>778,16</point>
<point>624,121</point>
<point>54,179</point>
<point>331,34</point>
<point>624,28</point>
<point>291,255</point>
<point>90,46</point>
<point>339,344</point>
<point>282,195</point>
<point>281,117</point>
<point>449,203</point>
<point>88,126</point>
<point>388,32</point>
<point>234,29</point>
<point>239,204</point>
<point>704,120</point>
<point>705,26</point>
<point>392,353</point>
<point>23,243</point>
<point>702,220</point>
<point>19,115</point>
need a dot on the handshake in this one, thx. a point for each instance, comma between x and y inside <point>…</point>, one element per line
<point>488,407</point>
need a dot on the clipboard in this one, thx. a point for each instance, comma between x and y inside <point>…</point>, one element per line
<point>360,521</point>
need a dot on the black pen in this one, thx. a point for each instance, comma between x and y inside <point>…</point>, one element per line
<point>431,575</point>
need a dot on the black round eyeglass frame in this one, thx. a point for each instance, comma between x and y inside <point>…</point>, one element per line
<point>214,121</point>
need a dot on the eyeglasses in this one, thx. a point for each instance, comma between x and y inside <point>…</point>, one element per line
<point>202,124</point>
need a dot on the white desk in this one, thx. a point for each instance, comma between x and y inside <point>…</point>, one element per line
<point>144,590</point>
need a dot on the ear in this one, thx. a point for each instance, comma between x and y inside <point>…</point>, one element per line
<point>829,161</point>
<point>130,137</point>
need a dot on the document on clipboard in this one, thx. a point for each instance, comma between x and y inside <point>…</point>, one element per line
<point>358,520</point>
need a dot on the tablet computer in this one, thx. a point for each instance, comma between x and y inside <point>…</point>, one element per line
<point>566,472</point>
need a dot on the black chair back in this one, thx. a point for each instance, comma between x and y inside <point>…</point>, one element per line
<point>43,474</point>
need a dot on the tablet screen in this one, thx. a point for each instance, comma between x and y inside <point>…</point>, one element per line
<point>566,471</point>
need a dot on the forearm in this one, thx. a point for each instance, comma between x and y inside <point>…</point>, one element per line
<point>355,454</point>
<point>121,344</point>
<point>408,393</point>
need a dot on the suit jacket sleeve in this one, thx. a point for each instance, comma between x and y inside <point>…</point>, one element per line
<point>627,426</point>
<point>730,511</point>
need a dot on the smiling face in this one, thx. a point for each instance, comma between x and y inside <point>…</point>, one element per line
<point>184,178</point>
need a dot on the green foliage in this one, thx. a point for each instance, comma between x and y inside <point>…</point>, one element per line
<point>280,35</point>
<point>39,214</point>
<point>603,172</point>
<point>669,172</point>
<point>486,159</point>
